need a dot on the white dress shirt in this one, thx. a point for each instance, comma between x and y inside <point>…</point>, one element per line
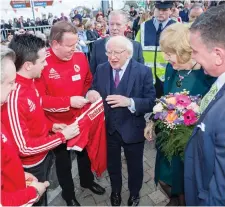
<point>220,81</point>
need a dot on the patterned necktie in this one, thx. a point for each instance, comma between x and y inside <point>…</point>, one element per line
<point>208,98</point>
<point>117,77</point>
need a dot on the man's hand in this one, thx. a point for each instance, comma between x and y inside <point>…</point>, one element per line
<point>78,101</point>
<point>58,127</point>
<point>40,187</point>
<point>118,101</point>
<point>93,96</point>
<point>29,178</point>
<point>71,131</point>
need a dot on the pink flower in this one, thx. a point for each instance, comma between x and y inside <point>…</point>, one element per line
<point>190,117</point>
<point>183,100</point>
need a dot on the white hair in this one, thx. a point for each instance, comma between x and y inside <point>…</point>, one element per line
<point>123,41</point>
<point>118,12</point>
<point>6,53</point>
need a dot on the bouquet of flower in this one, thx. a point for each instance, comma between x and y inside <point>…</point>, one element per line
<point>175,116</point>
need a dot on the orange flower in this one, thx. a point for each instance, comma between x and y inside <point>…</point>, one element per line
<point>171,117</point>
<point>171,100</point>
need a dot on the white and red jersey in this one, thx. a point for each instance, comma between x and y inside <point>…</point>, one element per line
<point>59,81</point>
<point>92,136</point>
<point>13,185</point>
<point>24,119</point>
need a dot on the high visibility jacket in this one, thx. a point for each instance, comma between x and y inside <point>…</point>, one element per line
<point>147,37</point>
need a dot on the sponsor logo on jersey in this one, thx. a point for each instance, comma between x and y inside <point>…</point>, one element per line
<point>77,68</point>
<point>53,74</point>
<point>31,105</point>
<point>94,113</point>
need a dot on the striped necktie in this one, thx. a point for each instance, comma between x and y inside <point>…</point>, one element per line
<point>208,98</point>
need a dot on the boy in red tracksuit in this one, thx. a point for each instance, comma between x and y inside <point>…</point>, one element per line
<point>67,77</point>
<point>23,114</point>
<point>14,191</point>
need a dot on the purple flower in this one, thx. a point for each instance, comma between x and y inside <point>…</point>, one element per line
<point>179,121</point>
<point>163,115</point>
<point>170,107</point>
<point>157,115</point>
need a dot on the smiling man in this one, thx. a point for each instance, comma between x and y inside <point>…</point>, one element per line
<point>204,164</point>
<point>128,91</point>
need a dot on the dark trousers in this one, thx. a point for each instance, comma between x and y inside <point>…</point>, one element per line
<point>63,170</point>
<point>134,158</point>
<point>41,172</point>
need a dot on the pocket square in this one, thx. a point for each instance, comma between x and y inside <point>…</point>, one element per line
<point>202,126</point>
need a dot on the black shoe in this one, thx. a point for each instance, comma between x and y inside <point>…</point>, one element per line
<point>72,202</point>
<point>115,199</point>
<point>133,201</point>
<point>96,188</point>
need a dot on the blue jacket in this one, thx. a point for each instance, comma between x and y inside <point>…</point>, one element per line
<point>99,56</point>
<point>204,173</point>
<point>139,87</point>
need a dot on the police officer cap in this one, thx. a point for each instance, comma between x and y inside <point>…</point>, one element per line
<point>163,4</point>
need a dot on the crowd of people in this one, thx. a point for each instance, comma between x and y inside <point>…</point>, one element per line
<point>53,88</point>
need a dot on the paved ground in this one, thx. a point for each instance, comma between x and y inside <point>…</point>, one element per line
<point>150,194</point>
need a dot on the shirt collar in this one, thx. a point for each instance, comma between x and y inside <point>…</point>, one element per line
<point>56,59</point>
<point>163,23</point>
<point>220,81</point>
<point>24,81</point>
<point>123,68</point>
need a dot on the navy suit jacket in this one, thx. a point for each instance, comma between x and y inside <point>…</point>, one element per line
<point>204,172</point>
<point>98,53</point>
<point>139,87</point>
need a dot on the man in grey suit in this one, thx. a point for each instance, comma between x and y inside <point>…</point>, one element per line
<point>117,26</point>
<point>204,163</point>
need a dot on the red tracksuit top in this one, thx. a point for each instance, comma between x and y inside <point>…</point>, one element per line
<point>24,118</point>
<point>13,185</point>
<point>92,136</point>
<point>59,81</point>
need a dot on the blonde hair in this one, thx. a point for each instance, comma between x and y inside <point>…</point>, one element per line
<point>175,39</point>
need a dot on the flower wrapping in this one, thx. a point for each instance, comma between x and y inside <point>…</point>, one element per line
<point>175,116</point>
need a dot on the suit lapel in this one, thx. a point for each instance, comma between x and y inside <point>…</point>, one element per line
<point>107,78</point>
<point>132,76</point>
<point>217,97</point>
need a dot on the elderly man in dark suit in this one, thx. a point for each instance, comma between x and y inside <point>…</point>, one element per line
<point>117,26</point>
<point>204,172</point>
<point>126,87</point>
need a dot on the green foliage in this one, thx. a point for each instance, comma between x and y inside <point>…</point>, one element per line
<point>172,142</point>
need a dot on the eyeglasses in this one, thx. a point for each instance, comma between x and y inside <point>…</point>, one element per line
<point>115,53</point>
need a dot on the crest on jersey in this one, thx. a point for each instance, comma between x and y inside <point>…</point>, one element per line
<point>77,68</point>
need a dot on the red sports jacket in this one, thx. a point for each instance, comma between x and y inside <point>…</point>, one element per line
<point>13,185</point>
<point>24,119</point>
<point>59,81</point>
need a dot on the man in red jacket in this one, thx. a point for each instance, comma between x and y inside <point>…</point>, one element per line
<point>14,191</point>
<point>23,115</point>
<point>67,77</point>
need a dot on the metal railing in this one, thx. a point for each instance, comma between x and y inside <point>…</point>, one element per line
<point>6,32</point>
